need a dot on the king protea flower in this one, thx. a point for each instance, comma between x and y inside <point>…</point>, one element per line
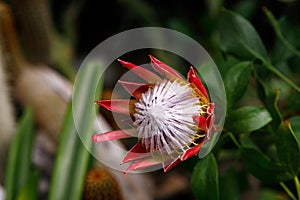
<point>172,117</point>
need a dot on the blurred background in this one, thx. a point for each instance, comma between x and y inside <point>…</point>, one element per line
<point>42,44</point>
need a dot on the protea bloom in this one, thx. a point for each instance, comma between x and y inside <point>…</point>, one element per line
<point>172,117</point>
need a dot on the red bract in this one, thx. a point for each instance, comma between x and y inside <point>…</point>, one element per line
<point>172,117</point>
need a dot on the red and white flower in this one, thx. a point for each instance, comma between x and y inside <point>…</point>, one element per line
<point>172,117</point>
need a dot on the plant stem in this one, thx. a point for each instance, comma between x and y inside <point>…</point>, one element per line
<point>234,139</point>
<point>279,34</point>
<point>280,75</point>
<point>297,184</point>
<point>287,190</point>
<point>270,67</point>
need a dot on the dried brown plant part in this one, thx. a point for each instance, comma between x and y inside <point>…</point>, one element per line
<point>100,184</point>
<point>10,66</point>
<point>36,29</point>
<point>47,93</point>
<point>35,86</point>
<point>41,42</point>
<point>12,58</point>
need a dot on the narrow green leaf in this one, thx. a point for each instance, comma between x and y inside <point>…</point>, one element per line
<point>288,147</point>
<point>263,168</point>
<point>239,38</point>
<point>247,119</point>
<point>271,104</point>
<point>205,184</point>
<point>30,189</point>
<point>20,156</point>
<point>229,185</point>
<point>236,82</point>
<point>72,156</point>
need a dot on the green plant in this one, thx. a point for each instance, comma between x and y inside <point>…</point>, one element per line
<point>259,133</point>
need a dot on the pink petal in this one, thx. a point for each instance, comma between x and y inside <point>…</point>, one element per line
<point>137,152</point>
<point>191,152</point>
<point>135,89</point>
<point>141,72</point>
<point>141,164</point>
<point>201,122</point>
<point>170,165</point>
<point>120,105</point>
<point>112,135</point>
<point>193,78</point>
<point>164,69</point>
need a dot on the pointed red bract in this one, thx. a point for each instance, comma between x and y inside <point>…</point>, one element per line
<point>193,78</point>
<point>137,152</point>
<point>112,135</point>
<point>135,89</point>
<point>120,105</point>
<point>142,164</point>
<point>191,152</point>
<point>167,165</point>
<point>210,122</point>
<point>201,122</point>
<point>164,69</point>
<point>141,72</point>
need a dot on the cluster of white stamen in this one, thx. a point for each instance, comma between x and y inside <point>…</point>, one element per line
<point>164,117</point>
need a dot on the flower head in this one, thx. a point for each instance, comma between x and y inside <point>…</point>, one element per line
<point>172,117</point>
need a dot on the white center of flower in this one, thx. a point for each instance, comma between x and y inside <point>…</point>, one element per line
<point>164,117</point>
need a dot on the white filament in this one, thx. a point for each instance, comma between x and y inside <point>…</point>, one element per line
<point>164,117</point>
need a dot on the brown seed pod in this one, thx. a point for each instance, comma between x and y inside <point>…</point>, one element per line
<point>101,185</point>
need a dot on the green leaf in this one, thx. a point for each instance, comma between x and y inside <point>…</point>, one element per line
<point>229,185</point>
<point>30,189</point>
<point>247,142</point>
<point>224,64</point>
<point>267,195</point>
<point>236,82</point>
<point>239,38</point>
<point>205,184</point>
<point>72,157</point>
<point>270,99</point>
<point>281,53</point>
<point>20,156</point>
<point>263,168</point>
<point>295,123</point>
<point>246,8</point>
<point>288,147</point>
<point>247,119</point>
